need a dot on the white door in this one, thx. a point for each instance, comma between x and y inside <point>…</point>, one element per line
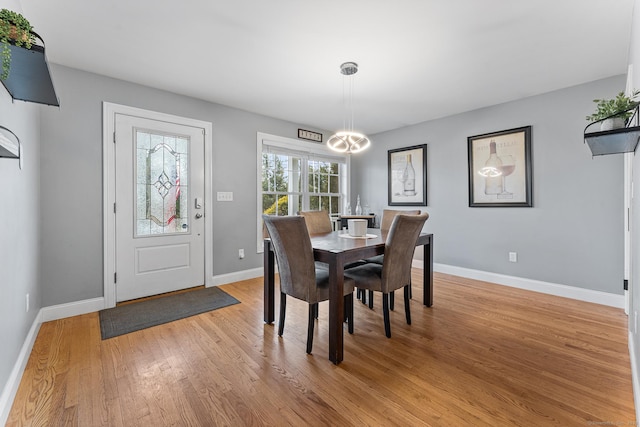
<point>159,205</point>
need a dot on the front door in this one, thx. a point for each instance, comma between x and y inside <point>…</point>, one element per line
<point>159,206</point>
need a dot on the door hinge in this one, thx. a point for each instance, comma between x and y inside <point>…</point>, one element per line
<point>114,208</point>
<point>625,285</point>
<point>115,277</point>
<point>114,137</point>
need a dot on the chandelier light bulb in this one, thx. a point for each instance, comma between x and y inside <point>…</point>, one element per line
<point>348,142</point>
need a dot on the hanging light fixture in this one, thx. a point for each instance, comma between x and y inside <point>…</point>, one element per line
<point>347,140</point>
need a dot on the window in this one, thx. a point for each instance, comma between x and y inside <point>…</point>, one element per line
<point>295,176</point>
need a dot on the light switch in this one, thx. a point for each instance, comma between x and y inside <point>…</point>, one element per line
<point>225,196</point>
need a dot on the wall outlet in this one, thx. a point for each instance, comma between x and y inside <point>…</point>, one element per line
<point>27,303</point>
<point>241,253</point>
<point>513,257</point>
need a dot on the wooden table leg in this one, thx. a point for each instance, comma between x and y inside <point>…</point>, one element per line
<point>269,283</point>
<point>336,309</point>
<point>428,273</point>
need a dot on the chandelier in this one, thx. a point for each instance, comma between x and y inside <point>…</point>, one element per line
<point>348,141</point>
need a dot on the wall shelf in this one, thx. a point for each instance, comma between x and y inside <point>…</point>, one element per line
<point>614,141</point>
<point>29,78</point>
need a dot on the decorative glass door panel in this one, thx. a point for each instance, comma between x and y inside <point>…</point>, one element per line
<point>162,186</point>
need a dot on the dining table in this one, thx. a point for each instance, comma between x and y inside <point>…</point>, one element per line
<point>337,249</point>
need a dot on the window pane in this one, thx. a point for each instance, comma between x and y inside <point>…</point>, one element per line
<point>314,203</point>
<point>268,202</point>
<point>335,205</point>
<point>324,181</point>
<point>334,184</point>
<point>283,206</point>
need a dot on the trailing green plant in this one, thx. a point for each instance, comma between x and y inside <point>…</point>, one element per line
<point>14,28</point>
<point>616,107</point>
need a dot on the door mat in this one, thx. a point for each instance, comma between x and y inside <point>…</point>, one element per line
<point>145,314</point>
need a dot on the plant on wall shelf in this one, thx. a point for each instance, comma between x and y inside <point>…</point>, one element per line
<point>15,29</point>
<point>619,107</point>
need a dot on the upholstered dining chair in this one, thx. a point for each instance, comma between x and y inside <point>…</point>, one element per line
<point>299,277</point>
<point>385,225</point>
<point>318,222</point>
<point>395,271</point>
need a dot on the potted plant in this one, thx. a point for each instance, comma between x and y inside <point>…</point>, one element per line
<point>615,112</point>
<point>15,29</point>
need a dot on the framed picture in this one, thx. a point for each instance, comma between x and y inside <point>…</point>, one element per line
<point>500,168</point>
<point>408,176</point>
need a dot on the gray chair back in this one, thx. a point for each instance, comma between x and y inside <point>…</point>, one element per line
<point>389,214</point>
<point>318,222</point>
<point>399,248</point>
<point>294,254</point>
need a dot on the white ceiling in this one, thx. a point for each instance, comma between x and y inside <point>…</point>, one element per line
<point>419,59</point>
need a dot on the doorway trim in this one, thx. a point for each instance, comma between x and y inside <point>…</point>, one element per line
<point>109,110</point>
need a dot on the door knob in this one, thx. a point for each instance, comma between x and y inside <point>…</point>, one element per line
<point>198,215</point>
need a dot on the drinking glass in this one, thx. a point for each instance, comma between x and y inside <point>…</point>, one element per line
<point>507,168</point>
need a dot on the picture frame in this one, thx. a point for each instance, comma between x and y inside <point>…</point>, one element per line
<point>500,170</point>
<point>407,180</point>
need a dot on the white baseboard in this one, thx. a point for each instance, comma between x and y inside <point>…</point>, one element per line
<point>237,276</point>
<point>573,292</point>
<point>12,384</point>
<point>635,375</point>
<point>76,308</point>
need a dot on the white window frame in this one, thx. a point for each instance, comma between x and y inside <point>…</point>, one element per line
<point>291,144</point>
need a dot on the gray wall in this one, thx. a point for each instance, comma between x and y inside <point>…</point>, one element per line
<point>574,233</point>
<point>19,233</point>
<point>71,196</point>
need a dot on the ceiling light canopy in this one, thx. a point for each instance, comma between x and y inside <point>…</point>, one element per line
<point>347,140</point>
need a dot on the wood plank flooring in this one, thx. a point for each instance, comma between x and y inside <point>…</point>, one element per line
<point>483,355</point>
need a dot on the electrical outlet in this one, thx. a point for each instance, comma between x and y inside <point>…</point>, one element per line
<point>513,257</point>
<point>241,253</point>
<point>27,303</point>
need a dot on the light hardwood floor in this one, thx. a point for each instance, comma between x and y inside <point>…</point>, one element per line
<point>483,355</point>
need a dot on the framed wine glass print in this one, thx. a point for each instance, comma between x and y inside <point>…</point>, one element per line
<point>500,168</point>
<point>408,176</point>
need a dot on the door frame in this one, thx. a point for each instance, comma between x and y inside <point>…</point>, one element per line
<point>109,110</point>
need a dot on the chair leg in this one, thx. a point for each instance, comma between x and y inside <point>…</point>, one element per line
<point>312,321</point>
<point>407,307</point>
<point>371,299</point>
<point>283,309</point>
<point>363,295</point>
<point>392,300</point>
<point>385,311</point>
